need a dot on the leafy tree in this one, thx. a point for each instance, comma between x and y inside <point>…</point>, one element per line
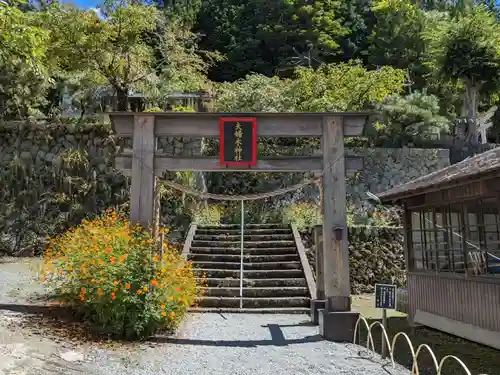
<point>183,66</point>
<point>456,6</point>
<point>411,117</point>
<point>396,38</point>
<point>357,17</point>
<point>268,37</point>
<point>467,50</point>
<point>185,12</point>
<point>24,71</point>
<point>255,93</point>
<point>115,52</point>
<point>113,47</point>
<point>343,87</point>
<point>332,87</point>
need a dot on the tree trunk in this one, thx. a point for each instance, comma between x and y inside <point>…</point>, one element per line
<point>472,89</point>
<point>122,99</point>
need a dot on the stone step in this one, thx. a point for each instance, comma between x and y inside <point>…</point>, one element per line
<point>237,231</point>
<point>249,274</point>
<point>246,237</point>
<point>248,266</point>
<point>263,310</point>
<point>246,258</point>
<point>267,302</point>
<point>217,265</point>
<point>247,251</point>
<point>297,265</point>
<point>257,292</point>
<point>246,244</point>
<point>235,282</point>
<point>271,282</point>
<point>251,226</point>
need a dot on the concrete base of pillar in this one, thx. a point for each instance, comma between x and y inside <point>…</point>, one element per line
<point>338,303</point>
<point>337,326</point>
<point>316,305</point>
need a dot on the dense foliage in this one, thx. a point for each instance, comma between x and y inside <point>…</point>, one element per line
<point>420,64</point>
<point>115,275</point>
<point>285,56</point>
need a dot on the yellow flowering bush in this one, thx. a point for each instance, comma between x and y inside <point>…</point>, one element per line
<point>116,276</point>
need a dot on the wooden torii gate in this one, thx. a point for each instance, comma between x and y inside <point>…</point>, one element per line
<point>145,164</point>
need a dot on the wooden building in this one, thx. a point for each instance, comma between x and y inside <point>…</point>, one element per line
<point>452,244</point>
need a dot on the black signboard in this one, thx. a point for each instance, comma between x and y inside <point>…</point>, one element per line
<point>385,296</point>
<point>238,141</point>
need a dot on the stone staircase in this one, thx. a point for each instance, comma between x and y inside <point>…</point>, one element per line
<point>273,278</point>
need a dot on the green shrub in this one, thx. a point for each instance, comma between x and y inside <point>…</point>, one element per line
<point>113,275</point>
<point>303,215</point>
<point>209,215</point>
<point>181,108</point>
<point>378,216</point>
<point>154,109</point>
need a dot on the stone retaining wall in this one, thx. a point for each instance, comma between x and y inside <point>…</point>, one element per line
<point>386,168</point>
<point>52,172</point>
<point>376,255</point>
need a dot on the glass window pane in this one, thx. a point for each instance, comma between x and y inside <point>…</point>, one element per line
<point>491,219</point>
<point>460,238</point>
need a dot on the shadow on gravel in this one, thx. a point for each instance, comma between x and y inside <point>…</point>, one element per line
<point>53,320</point>
<point>49,311</point>
<point>305,323</point>
<point>236,343</point>
<point>277,339</point>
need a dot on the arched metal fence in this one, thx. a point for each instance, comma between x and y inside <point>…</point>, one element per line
<point>438,365</point>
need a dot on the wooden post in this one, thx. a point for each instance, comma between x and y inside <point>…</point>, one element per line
<point>335,251</point>
<point>320,279</point>
<point>336,320</point>
<point>143,177</point>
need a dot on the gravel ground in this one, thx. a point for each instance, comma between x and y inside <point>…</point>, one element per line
<point>207,344</point>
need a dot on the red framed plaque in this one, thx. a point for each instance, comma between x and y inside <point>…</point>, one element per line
<point>238,141</point>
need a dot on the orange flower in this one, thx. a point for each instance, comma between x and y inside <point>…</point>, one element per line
<point>171,315</point>
<point>178,290</point>
<point>127,286</point>
<point>83,290</point>
<point>154,283</point>
<point>82,297</point>
<point>163,313</point>
<point>139,291</point>
<point>116,282</point>
<point>155,258</point>
<point>107,249</point>
<point>112,260</point>
<point>113,296</point>
<point>163,307</point>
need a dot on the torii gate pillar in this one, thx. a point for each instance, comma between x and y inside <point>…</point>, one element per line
<point>336,320</point>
